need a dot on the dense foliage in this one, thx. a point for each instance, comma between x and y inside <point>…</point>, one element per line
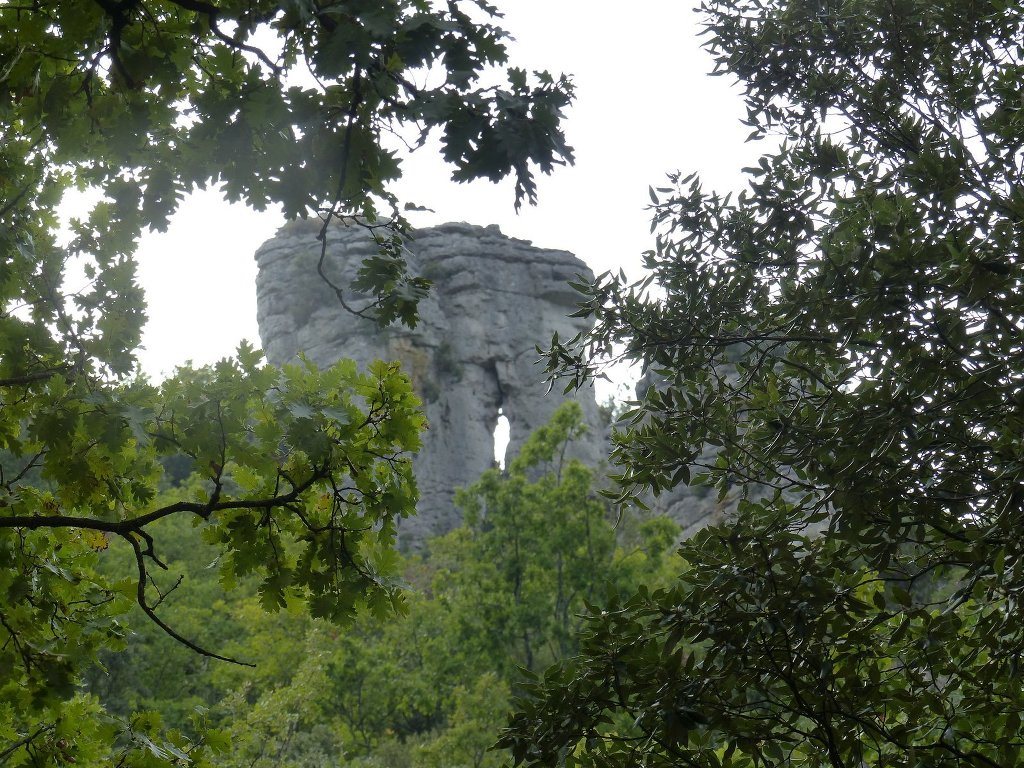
<point>428,689</point>
<point>848,333</point>
<point>303,474</point>
<point>304,477</point>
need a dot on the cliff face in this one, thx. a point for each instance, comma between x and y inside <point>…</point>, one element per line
<point>493,300</point>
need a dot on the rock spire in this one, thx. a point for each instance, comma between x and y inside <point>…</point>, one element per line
<point>473,353</point>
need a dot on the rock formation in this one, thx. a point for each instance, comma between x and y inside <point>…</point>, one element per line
<point>493,300</point>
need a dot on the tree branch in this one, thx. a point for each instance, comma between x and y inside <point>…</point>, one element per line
<point>135,524</point>
<point>23,742</point>
<point>31,378</point>
<point>140,595</point>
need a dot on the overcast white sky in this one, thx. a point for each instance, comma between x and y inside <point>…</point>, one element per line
<point>644,107</point>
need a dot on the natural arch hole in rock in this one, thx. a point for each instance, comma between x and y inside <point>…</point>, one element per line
<point>501,438</point>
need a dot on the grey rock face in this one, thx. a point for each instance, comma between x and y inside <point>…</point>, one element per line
<point>493,300</point>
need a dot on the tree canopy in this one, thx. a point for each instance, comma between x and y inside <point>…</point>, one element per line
<point>302,473</point>
<point>426,689</point>
<point>847,333</point>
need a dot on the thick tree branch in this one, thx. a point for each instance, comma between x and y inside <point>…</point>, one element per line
<point>31,378</point>
<point>136,524</point>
